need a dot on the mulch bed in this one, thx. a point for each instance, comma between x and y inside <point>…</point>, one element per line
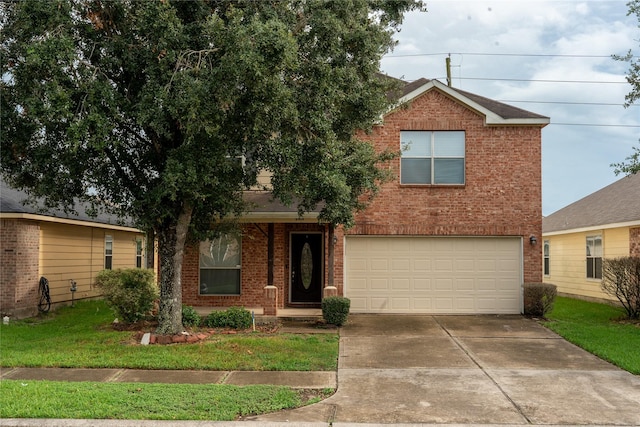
<point>190,336</point>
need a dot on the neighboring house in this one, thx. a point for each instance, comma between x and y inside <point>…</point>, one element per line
<point>605,224</point>
<point>59,247</point>
<point>454,232</point>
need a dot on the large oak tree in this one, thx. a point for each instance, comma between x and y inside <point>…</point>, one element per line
<point>144,108</point>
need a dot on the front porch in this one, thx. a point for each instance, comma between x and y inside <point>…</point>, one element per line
<point>283,314</point>
<point>275,267</point>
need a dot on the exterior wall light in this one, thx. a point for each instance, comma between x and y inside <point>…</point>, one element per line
<point>533,240</point>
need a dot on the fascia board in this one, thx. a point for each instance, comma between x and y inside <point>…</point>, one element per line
<point>593,228</point>
<point>491,118</point>
<point>278,217</point>
<point>67,221</point>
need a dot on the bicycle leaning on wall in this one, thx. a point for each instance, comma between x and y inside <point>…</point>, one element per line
<point>44,304</point>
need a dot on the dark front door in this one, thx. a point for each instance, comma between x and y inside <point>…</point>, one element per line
<point>306,267</point>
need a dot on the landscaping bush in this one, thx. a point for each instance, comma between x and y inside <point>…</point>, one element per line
<point>335,310</point>
<point>129,292</point>
<point>621,279</point>
<point>233,317</point>
<point>539,298</point>
<point>190,316</point>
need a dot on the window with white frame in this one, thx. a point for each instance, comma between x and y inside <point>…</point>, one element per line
<point>432,157</point>
<point>546,257</point>
<point>108,252</point>
<point>220,265</point>
<point>594,257</point>
<point>139,253</point>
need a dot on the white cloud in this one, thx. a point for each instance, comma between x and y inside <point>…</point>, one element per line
<point>576,159</point>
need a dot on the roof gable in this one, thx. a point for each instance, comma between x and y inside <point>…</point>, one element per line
<point>495,113</point>
<point>615,204</point>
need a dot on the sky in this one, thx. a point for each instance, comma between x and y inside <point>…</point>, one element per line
<point>538,55</point>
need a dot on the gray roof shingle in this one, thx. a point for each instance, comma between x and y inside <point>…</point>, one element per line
<point>616,203</point>
<point>13,201</point>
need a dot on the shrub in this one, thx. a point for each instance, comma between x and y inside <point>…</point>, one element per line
<point>539,298</point>
<point>129,292</point>
<point>621,279</point>
<point>190,316</point>
<point>233,317</point>
<point>335,310</point>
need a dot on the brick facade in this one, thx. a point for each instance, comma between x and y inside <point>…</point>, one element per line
<point>502,196</point>
<point>19,267</point>
<point>254,268</point>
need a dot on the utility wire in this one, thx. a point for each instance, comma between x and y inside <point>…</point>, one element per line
<point>594,125</point>
<point>536,80</point>
<point>547,55</point>
<point>606,104</point>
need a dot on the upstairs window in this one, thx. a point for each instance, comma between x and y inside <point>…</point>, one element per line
<point>432,157</point>
<point>594,257</point>
<point>220,265</point>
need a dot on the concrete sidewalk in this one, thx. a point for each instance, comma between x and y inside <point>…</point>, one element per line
<point>297,379</point>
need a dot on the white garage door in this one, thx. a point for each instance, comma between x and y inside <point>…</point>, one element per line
<point>445,275</point>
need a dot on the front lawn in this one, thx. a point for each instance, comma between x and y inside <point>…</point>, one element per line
<point>599,329</point>
<point>82,337</point>
<point>86,400</point>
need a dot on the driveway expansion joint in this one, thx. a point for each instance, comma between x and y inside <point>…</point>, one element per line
<point>484,371</point>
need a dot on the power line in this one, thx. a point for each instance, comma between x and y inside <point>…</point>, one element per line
<point>594,125</point>
<point>547,55</point>
<point>606,104</point>
<point>539,80</point>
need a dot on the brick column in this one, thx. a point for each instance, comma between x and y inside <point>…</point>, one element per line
<point>329,291</point>
<point>19,269</point>
<point>270,301</point>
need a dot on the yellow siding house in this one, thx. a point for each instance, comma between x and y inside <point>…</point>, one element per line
<point>605,224</point>
<point>65,249</point>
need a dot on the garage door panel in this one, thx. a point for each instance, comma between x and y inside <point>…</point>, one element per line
<point>401,284</point>
<point>401,304</point>
<point>379,264</point>
<point>400,264</point>
<point>380,284</point>
<point>465,284</point>
<point>444,285</point>
<point>433,274</point>
<point>421,284</point>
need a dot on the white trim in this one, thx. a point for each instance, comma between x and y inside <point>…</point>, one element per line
<point>635,223</point>
<point>491,118</point>
<point>45,218</point>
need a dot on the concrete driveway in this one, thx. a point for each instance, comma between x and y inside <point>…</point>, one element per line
<point>469,370</point>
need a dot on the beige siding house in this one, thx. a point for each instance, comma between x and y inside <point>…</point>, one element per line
<point>59,247</point>
<point>605,224</point>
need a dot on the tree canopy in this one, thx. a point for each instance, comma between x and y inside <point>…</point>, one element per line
<point>165,111</point>
<point>632,163</point>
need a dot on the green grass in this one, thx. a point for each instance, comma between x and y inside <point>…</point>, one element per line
<point>599,329</point>
<point>82,337</point>
<point>86,400</point>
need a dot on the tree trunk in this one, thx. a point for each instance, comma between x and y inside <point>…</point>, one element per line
<point>171,241</point>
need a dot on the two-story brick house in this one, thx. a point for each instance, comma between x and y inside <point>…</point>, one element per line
<point>454,232</point>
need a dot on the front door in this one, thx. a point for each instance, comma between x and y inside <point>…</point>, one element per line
<point>306,268</point>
